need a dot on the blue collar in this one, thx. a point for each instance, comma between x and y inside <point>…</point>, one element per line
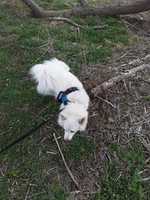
<point>62,96</point>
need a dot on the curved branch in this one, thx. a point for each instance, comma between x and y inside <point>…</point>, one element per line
<point>109,10</point>
<point>67,20</point>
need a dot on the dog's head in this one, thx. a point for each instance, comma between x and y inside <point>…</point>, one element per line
<point>73,118</point>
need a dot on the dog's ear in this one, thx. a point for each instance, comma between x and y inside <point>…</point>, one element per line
<point>63,117</point>
<point>82,120</point>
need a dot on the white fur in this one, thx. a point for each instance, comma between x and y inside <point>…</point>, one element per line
<point>54,76</point>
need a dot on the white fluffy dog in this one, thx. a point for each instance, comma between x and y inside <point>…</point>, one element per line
<point>54,78</point>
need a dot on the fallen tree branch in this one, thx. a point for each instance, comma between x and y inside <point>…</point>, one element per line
<point>35,8</point>
<point>64,161</point>
<point>83,11</point>
<point>111,82</point>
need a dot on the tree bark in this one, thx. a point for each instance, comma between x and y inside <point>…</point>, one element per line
<point>109,10</point>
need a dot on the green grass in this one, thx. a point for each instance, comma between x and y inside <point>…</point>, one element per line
<point>79,149</point>
<point>122,180</point>
<point>31,41</point>
<point>58,192</point>
<point>146,98</point>
<point>25,41</point>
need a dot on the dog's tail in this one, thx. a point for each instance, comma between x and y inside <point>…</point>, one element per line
<point>54,62</point>
<point>42,74</point>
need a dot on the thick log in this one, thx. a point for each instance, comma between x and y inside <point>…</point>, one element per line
<point>106,10</point>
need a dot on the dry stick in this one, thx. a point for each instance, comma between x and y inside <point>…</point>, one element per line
<point>71,22</point>
<point>63,158</point>
<point>106,101</point>
<point>146,179</point>
<point>107,84</point>
<point>67,20</point>
<point>28,191</point>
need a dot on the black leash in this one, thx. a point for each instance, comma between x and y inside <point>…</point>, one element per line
<point>30,132</point>
<point>61,98</point>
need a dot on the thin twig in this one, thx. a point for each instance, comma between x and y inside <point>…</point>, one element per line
<point>67,20</point>
<point>106,101</point>
<point>28,191</point>
<point>99,27</point>
<point>71,22</point>
<point>145,179</point>
<point>145,143</point>
<point>64,161</point>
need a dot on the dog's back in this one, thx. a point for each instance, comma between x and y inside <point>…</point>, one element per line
<point>57,64</point>
<point>52,75</point>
